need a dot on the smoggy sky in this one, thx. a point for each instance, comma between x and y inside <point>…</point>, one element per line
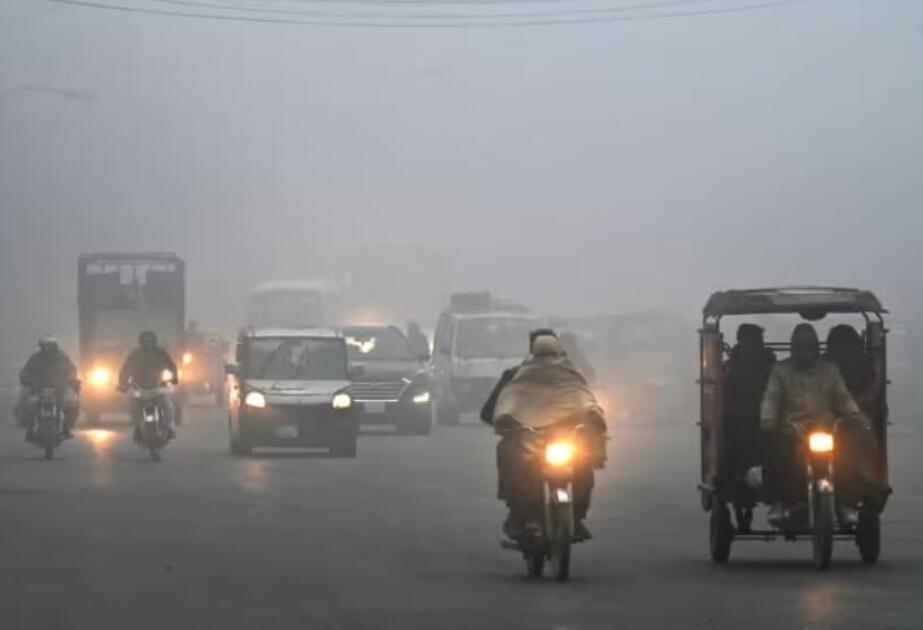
<point>581,168</point>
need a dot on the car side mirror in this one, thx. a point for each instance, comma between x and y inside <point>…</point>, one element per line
<point>356,372</point>
<point>232,368</point>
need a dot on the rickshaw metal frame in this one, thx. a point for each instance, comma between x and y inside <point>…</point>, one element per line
<point>812,303</point>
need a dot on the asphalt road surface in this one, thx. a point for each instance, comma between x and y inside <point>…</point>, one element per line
<point>405,537</point>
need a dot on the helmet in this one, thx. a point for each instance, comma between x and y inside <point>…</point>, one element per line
<point>148,339</point>
<point>547,346</point>
<point>48,343</point>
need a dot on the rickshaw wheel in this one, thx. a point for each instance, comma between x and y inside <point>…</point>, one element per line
<point>868,535</point>
<point>721,532</point>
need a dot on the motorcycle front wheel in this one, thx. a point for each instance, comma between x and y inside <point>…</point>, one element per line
<point>822,538</point>
<point>562,534</point>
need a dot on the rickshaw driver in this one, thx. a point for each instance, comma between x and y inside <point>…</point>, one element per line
<point>802,388</point>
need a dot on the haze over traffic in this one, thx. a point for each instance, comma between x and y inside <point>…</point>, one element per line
<point>579,168</point>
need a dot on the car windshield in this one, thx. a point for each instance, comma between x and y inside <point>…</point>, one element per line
<point>303,359</point>
<point>377,344</point>
<point>493,337</point>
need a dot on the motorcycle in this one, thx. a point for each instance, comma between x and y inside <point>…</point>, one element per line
<point>151,418</point>
<point>49,421</point>
<point>554,454</point>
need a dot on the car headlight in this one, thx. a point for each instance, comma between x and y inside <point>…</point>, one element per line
<point>559,453</point>
<point>342,401</point>
<point>166,376</point>
<point>188,358</point>
<point>100,376</point>
<point>256,400</point>
<point>422,398</point>
<point>820,442</point>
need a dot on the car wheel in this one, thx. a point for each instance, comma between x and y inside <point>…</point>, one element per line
<point>345,450</point>
<point>445,415</point>
<point>239,448</point>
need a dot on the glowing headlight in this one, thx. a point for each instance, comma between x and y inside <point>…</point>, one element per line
<point>820,442</point>
<point>188,358</point>
<point>166,376</point>
<point>421,398</point>
<point>559,453</point>
<point>256,400</point>
<point>100,376</point>
<point>342,401</point>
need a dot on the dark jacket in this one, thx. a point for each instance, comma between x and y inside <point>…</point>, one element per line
<point>144,367</point>
<point>48,369</point>
<point>487,411</point>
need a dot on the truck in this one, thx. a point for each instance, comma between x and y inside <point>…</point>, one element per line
<point>120,295</point>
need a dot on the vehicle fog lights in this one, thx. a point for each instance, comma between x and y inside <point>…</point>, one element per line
<point>100,376</point>
<point>559,453</point>
<point>820,442</point>
<point>256,400</point>
<point>342,401</point>
<point>421,398</point>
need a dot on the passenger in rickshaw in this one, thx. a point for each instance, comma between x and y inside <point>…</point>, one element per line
<point>746,373</point>
<point>844,348</point>
<point>807,388</point>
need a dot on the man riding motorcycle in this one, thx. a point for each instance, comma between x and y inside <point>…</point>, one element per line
<point>545,391</point>
<point>146,368</point>
<point>807,388</point>
<point>50,367</point>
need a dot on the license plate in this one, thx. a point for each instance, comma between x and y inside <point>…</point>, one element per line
<point>287,432</point>
<point>375,406</point>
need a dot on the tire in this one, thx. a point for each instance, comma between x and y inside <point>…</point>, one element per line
<point>155,453</point>
<point>535,564</point>
<point>178,414</point>
<point>720,532</point>
<point>346,450</point>
<point>562,535</point>
<point>445,415</point>
<point>868,535</point>
<point>49,451</point>
<point>239,448</point>
<point>822,537</point>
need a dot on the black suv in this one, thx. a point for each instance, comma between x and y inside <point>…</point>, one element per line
<point>391,384</point>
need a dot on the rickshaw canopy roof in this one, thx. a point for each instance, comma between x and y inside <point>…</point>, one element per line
<point>810,302</point>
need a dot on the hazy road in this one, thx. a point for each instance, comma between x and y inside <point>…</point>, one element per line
<point>405,537</point>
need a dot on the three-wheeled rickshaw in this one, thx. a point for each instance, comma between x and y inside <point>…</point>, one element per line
<point>725,489</point>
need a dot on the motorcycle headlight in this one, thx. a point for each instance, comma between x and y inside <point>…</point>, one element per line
<point>422,398</point>
<point>559,453</point>
<point>100,376</point>
<point>820,442</point>
<point>256,400</point>
<point>342,400</point>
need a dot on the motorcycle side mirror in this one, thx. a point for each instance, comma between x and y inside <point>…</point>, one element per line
<point>232,368</point>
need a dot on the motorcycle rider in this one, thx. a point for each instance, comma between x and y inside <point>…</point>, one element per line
<point>546,368</point>
<point>50,367</point>
<point>146,367</point>
<point>807,388</point>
